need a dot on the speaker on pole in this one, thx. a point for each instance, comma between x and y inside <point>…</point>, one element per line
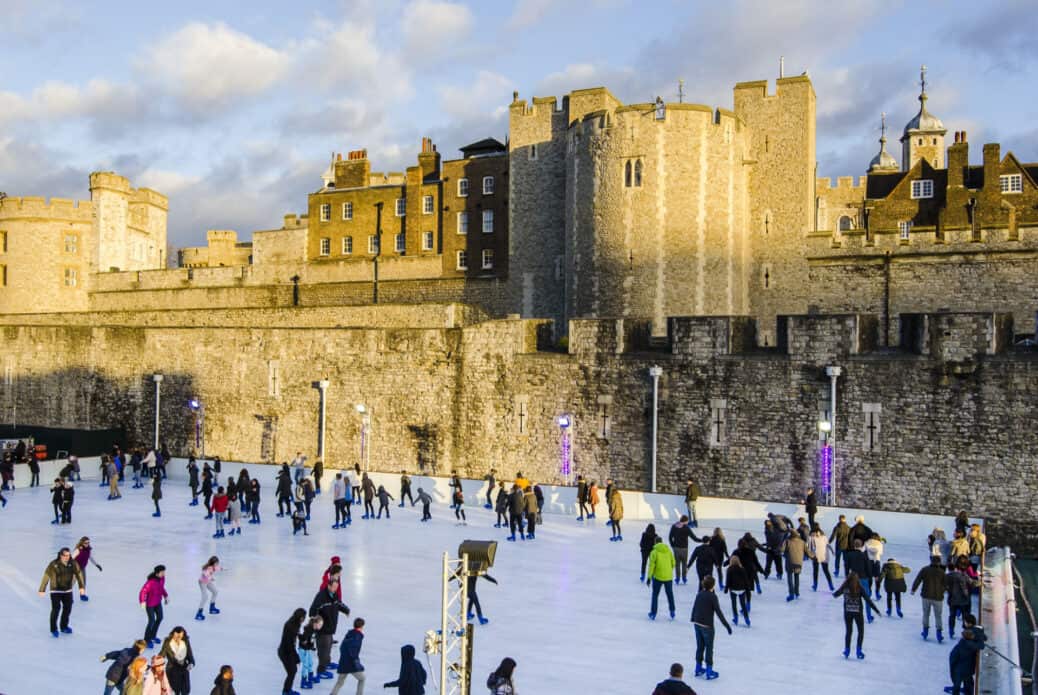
<point>481,554</point>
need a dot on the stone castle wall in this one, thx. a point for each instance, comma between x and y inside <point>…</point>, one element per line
<point>944,411</point>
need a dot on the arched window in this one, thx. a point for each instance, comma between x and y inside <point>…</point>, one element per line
<point>638,174</point>
<point>846,224</point>
<point>627,175</point>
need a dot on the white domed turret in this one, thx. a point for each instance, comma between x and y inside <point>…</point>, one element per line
<point>883,161</point>
<point>923,137</point>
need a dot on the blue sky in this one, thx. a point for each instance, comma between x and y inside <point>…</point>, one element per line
<point>233,109</point>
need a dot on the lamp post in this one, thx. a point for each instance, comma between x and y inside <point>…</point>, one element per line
<point>565,445</point>
<point>833,373</point>
<point>365,434</point>
<point>158,400</point>
<point>322,386</point>
<point>655,371</point>
<point>199,408</point>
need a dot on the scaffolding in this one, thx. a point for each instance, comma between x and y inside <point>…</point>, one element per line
<point>453,641</point>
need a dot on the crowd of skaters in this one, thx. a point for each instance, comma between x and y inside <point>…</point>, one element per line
<point>951,575</point>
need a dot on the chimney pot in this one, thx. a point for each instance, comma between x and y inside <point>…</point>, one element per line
<point>964,136</point>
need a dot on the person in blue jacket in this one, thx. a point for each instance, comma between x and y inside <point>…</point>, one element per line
<point>962,662</point>
<point>349,657</point>
<point>117,672</point>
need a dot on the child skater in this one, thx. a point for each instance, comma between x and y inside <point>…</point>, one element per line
<point>207,587</point>
<point>82,555</point>
<point>68,496</point>
<point>254,500</point>
<point>192,480</point>
<point>501,506</point>
<point>893,576</point>
<point>217,510</point>
<point>459,512</point>
<point>307,648</point>
<point>383,501</point>
<point>56,493</point>
<point>207,489</point>
<point>299,519</point>
<point>234,514</point>
<point>426,500</point>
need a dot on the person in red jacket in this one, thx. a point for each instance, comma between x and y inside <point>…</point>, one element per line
<point>218,508</point>
<point>333,573</point>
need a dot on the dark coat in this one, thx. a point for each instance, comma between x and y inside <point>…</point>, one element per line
<point>672,686</point>
<point>412,674</point>
<point>680,535</point>
<point>328,606</point>
<point>703,558</point>
<point>57,493</point>
<point>932,579</point>
<point>287,646</point>
<point>859,532</point>
<point>349,652</point>
<point>122,659</point>
<point>963,657</point>
<point>515,503</point>
<point>648,540</point>
<point>737,579</point>
<point>750,564</point>
<point>811,503</point>
<point>222,687</point>
<point>720,548</point>
<point>501,503</point>
<point>705,608</point>
<point>957,585</point>
<point>857,561</point>
<point>156,487</point>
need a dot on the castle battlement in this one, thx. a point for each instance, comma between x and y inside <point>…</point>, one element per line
<point>825,183</point>
<point>14,207</point>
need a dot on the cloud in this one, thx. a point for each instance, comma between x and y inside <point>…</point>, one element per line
<point>582,75</point>
<point>338,116</point>
<point>104,107</point>
<point>211,67</point>
<point>1003,33</point>
<point>433,30</point>
<point>489,93</point>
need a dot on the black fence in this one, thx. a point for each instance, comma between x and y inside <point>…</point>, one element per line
<point>75,442</point>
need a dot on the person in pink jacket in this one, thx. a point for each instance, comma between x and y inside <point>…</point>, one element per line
<point>151,597</point>
<point>156,682</point>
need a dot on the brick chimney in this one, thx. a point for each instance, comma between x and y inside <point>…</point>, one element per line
<point>992,168</point>
<point>354,171</point>
<point>958,160</point>
<point>429,160</point>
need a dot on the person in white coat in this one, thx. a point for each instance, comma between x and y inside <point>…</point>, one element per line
<point>818,550</point>
<point>874,552</point>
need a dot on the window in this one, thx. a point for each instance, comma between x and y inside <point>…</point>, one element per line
<point>3,242</point>
<point>627,174</point>
<point>3,276</point>
<point>427,241</point>
<point>533,151</point>
<point>463,188</point>
<point>488,259</point>
<point>463,260</point>
<point>347,245</point>
<point>373,245</point>
<point>463,223</point>
<point>870,428</point>
<point>638,174</point>
<point>922,188</point>
<point>401,207</point>
<point>661,109</point>
<point>846,224</point>
<point>71,277</point>
<point>488,221</point>
<point>718,422</point>
<point>401,243</point>
<point>326,246</point>
<point>326,212</point>
<point>273,378</point>
<point>71,243</point>
<point>1011,183</point>
<point>904,230</point>
<point>488,185</point>
<point>427,205</point>
<point>522,413</point>
<point>347,211</point>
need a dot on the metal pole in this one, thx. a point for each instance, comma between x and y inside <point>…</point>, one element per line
<point>158,400</point>
<point>202,410</point>
<point>322,386</point>
<point>444,607</point>
<point>833,373</point>
<point>655,372</point>
<point>367,449</point>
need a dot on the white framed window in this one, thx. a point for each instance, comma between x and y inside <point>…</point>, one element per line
<point>463,223</point>
<point>488,221</point>
<point>533,151</point>
<point>427,241</point>
<point>401,207</point>
<point>1011,183</point>
<point>71,243</point>
<point>326,212</point>
<point>347,211</point>
<point>463,260</point>
<point>904,230</point>
<point>71,277</point>
<point>427,205</point>
<point>922,188</point>
<point>373,244</point>
<point>488,259</point>
<point>488,185</point>
<point>401,243</point>
<point>463,188</point>
<point>347,245</point>
<point>326,246</point>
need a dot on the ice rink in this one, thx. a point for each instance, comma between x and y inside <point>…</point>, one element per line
<point>569,607</point>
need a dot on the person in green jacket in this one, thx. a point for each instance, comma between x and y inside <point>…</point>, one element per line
<point>661,573</point>
<point>60,575</point>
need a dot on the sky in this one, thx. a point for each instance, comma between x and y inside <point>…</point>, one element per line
<point>233,109</point>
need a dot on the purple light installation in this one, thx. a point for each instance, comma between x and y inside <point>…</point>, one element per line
<point>825,468</point>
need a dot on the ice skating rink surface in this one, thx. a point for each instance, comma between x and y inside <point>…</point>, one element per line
<point>568,607</point>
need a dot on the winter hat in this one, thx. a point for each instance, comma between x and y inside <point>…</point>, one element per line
<point>336,560</point>
<point>859,519</point>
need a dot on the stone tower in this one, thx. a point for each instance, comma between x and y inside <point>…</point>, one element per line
<point>924,134</point>
<point>883,161</point>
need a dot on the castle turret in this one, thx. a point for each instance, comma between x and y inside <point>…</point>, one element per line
<point>923,137</point>
<point>883,161</point>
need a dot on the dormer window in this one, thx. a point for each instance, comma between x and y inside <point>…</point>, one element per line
<point>1011,183</point>
<point>922,188</point>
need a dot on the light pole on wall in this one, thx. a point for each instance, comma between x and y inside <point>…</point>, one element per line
<point>655,371</point>
<point>199,409</point>
<point>565,423</point>
<point>322,386</point>
<point>833,373</point>
<point>365,435</point>
<point>158,399</point>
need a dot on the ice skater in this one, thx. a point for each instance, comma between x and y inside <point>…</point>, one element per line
<point>616,514</point>
<point>473,598</point>
<point>156,493</point>
<point>491,484</point>
<point>739,587</point>
<point>962,662</point>
<point>354,477</point>
<point>746,551</point>
<point>339,487</point>
<point>234,514</point>
<point>82,554</point>
<point>957,584</point>
<point>192,480</point>
<point>305,494</point>
<point>794,556</point>
<point>232,494</point>
<point>56,493</point>
<point>893,576</point>
<point>501,680</point>
<point>855,593</point>
<point>207,489</point>
<point>383,501</point>
<point>59,575</point>
<point>113,481</point>
<point>151,597</point>
<point>515,512</point>
<point>207,587</point>
<point>368,488</point>
<point>217,510</point>
<point>156,680</point>
<point>411,680</point>
<point>243,489</point>
<point>459,507</point>
<point>306,650</point>
<point>661,574</point>
<point>703,559</point>
<point>284,491</point>
<point>674,685</point>
<point>317,474</point>
<point>118,672</point>
<point>932,580</point>
<point>299,520</point>
<point>592,498</point>
<point>530,502</point>
<point>818,550</point>
<point>645,545</point>
<point>679,537</point>
<point>455,484</point>
<point>582,497</point>
<point>349,658</point>
<point>68,498</point>
<point>426,500</point>
<point>501,506</point>
<point>223,684</point>
<point>329,606</point>
<point>405,488</point>
<point>254,501</point>
<point>287,648</point>
<point>333,573</point>
<point>176,650</point>
<point>704,609</point>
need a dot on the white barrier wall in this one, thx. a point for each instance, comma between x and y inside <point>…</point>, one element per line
<point>730,514</point>
<point>998,618</point>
